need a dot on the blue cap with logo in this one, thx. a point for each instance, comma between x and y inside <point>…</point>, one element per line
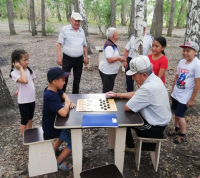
<point>56,73</point>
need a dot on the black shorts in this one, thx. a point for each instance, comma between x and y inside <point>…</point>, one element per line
<point>27,112</point>
<point>178,108</point>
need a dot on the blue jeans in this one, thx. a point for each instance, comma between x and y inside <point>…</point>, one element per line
<point>65,136</point>
<point>129,80</point>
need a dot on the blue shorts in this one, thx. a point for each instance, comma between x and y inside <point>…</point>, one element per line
<point>178,108</point>
<point>65,136</point>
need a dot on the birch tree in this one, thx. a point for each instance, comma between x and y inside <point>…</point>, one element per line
<point>113,13</point>
<point>85,24</point>
<point>182,10</point>
<point>139,17</point>
<point>157,23</point>
<point>193,22</point>
<point>145,10</point>
<point>10,17</point>
<point>171,21</point>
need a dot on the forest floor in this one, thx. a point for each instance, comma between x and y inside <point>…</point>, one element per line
<point>175,160</point>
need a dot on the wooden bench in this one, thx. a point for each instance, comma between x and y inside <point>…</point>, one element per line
<point>107,171</point>
<point>149,144</point>
<point>42,158</point>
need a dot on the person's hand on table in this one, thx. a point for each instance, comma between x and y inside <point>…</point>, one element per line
<point>72,105</point>
<point>111,94</point>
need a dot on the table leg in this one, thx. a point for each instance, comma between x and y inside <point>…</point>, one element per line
<point>111,138</point>
<point>42,159</point>
<point>77,151</point>
<point>120,148</point>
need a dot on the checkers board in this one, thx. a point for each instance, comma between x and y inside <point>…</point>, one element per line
<point>96,105</point>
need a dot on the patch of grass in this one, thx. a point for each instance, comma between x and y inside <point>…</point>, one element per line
<point>50,28</point>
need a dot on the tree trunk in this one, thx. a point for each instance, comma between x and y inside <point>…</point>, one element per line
<point>113,13</point>
<point>28,15</point>
<point>76,6</point>
<point>132,19</point>
<point>6,100</point>
<point>10,17</point>
<point>157,23</point>
<point>123,14</point>
<point>68,11</point>
<point>138,26</point>
<point>43,17</point>
<point>58,12</point>
<point>85,24</point>
<point>145,10</point>
<point>193,22</point>
<point>32,17</point>
<point>171,22</point>
<point>183,5</point>
<point>168,14</point>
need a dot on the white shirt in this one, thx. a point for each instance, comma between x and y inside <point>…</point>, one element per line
<point>72,41</point>
<point>152,101</point>
<point>147,43</point>
<point>26,92</point>
<point>184,86</point>
<point>106,67</point>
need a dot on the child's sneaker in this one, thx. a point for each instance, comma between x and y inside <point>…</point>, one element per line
<point>64,168</point>
<point>180,139</point>
<point>172,133</point>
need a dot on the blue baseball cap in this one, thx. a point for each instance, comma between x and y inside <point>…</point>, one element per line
<point>55,73</point>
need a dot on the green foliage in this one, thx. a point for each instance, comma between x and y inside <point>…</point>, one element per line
<point>50,28</point>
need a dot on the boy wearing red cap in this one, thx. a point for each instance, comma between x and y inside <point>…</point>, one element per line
<point>185,89</point>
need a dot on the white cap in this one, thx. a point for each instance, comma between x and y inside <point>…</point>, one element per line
<point>144,24</point>
<point>76,16</point>
<point>191,44</point>
<point>137,64</point>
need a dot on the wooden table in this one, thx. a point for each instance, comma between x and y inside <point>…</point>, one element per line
<point>116,136</point>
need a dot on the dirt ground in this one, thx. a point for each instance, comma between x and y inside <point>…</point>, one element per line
<point>175,160</point>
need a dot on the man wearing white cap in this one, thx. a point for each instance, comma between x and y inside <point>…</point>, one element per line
<point>129,53</point>
<point>72,39</point>
<point>151,100</point>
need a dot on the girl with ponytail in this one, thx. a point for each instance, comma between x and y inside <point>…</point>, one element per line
<point>23,76</point>
<point>158,59</point>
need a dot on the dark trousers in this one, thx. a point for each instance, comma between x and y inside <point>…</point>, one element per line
<point>146,131</point>
<point>77,64</point>
<point>108,81</point>
<point>129,80</point>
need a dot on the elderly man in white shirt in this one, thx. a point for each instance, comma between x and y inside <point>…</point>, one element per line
<point>72,39</point>
<point>151,100</point>
<point>111,61</point>
<point>129,54</point>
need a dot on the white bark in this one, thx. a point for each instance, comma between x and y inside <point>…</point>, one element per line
<point>193,22</point>
<point>84,24</point>
<point>139,16</point>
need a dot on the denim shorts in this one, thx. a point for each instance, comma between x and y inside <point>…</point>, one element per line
<point>65,136</point>
<point>178,108</point>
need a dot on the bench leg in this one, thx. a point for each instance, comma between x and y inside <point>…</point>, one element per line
<point>155,155</point>
<point>111,138</point>
<point>42,159</point>
<point>100,56</point>
<point>120,148</point>
<point>138,150</point>
<point>77,151</point>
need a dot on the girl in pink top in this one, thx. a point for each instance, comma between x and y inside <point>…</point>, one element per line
<point>158,59</point>
<point>23,76</point>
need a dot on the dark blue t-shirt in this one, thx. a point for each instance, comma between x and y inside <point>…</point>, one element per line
<point>51,105</point>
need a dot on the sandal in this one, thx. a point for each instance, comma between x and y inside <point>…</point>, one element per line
<point>180,139</point>
<point>172,133</point>
<point>64,168</point>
